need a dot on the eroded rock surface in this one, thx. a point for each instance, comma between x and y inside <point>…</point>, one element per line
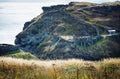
<point>42,35</point>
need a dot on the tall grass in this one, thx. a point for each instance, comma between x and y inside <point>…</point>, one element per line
<point>11,68</point>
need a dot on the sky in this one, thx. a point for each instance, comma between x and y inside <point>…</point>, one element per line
<point>94,1</point>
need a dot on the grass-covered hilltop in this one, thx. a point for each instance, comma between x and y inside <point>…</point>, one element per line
<point>78,30</point>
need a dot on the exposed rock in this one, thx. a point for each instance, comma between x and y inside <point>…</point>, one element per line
<point>26,25</point>
<point>42,35</point>
<point>7,48</point>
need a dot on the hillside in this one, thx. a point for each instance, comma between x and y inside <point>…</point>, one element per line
<point>73,31</point>
<point>7,50</point>
<point>59,69</point>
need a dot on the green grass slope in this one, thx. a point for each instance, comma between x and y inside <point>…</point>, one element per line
<point>20,54</point>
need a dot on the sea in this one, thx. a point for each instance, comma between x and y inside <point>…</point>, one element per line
<point>13,15</point>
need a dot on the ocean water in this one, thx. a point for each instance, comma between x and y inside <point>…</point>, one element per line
<point>13,15</point>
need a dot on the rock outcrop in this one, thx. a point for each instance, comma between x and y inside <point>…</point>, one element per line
<point>81,22</point>
<point>7,48</point>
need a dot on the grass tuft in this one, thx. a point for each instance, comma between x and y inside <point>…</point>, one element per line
<point>11,68</point>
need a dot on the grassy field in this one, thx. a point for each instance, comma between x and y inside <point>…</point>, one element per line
<point>11,68</point>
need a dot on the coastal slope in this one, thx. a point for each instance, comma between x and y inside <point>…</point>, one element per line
<point>77,30</point>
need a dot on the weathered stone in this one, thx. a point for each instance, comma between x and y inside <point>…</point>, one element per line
<point>85,21</point>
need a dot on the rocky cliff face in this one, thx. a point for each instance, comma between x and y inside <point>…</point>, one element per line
<point>72,31</point>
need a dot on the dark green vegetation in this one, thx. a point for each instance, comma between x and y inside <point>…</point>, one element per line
<point>42,36</point>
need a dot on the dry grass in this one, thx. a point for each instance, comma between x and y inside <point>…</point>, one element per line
<point>11,68</point>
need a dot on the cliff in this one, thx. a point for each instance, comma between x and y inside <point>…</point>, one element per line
<point>73,31</point>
